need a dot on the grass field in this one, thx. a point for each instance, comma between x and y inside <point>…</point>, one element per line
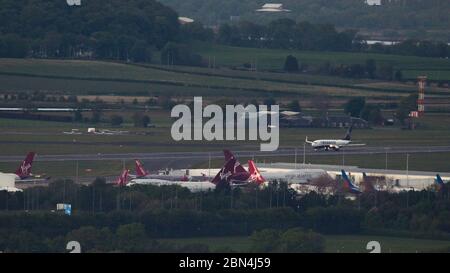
<point>159,139</point>
<point>97,78</point>
<point>274,59</point>
<point>334,243</point>
<point>27,133</point>
<point>439,75</point>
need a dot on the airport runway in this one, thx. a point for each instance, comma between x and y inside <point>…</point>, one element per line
<point>218,154</point>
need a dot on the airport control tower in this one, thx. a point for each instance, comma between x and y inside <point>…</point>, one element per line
<point>421,81</point>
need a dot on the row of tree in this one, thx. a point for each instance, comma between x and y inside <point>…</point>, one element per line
<point>392,14</point>
<point>169,211</point>
<point>289,34</point>
<point>357,107</point>
<point>111,29</point>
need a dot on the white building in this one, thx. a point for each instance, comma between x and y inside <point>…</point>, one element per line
<point>373,2</point>
<point>272,7</point>
<point>73,2</point>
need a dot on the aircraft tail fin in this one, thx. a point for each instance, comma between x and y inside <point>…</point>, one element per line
<point>239,168</point>
<point>254,173</point>
<point>439,180</point>
<point>225,172</point>
<point>140,170</point>
<point>348,135</point>
<point>122,180</point>
<point>307,141</point>
<point>229,155</point>
<point>24,169</point>
<point>348,184</point>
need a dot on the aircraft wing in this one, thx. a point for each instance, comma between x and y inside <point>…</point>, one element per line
<point>355,144</point>
<point>28,180</point>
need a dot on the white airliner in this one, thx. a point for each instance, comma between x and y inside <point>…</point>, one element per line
<point>300,176</point>
<point>334,144</point>
<point>192,186</point>
<point>122,180</point>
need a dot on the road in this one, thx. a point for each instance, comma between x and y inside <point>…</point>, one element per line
<point>218,154</point>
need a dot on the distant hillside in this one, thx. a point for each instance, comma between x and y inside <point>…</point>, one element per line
<point>412,15</point>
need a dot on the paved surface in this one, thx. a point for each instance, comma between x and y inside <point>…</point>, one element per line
<point>170,156</point>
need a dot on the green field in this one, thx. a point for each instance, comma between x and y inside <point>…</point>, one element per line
<point>334,244</point>
<point>97,78</point>
<point>47,134</point>
<point>274,59</point>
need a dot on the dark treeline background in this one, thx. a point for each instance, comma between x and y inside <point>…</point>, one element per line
<point>287,34</point>
<point>114,29</point>
<point>393,14</point>
<point>146,213</point>
<point>131,30</point>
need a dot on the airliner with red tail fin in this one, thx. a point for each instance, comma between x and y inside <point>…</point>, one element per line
<point>141,172</point>
<point>244,178</point>
<point>221,177</point>
<point>300,176</point>
<point>229,155</point>
<point>23,172</point>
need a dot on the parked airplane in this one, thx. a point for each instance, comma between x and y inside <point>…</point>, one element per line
<point>141,172</point>
<point>348,184</point>
<point>240,176</point>
<point>300,176</point>
<point>244,178</point>
<point>334,144</point>
<point>23,173</point>
<point>222,176</point>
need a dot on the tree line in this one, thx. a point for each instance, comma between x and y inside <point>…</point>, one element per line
<point>394,15</point>
<point>131,30</point>
<point>105,29</point>
<point>151,212</point>
<point>288,34</point>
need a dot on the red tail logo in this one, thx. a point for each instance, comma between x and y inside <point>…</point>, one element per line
<point>255,175</point>
<point>24,170</point>
<point>123,178</point>
<point>140,171</point>
<point>225,172</point>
